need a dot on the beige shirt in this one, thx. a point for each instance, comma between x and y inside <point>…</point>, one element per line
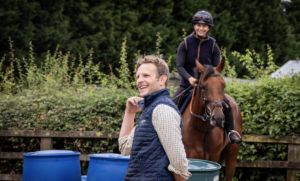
<point>166,122</point>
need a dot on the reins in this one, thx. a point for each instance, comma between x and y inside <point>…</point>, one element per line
<point>189,88</point>
<point>204,117</point>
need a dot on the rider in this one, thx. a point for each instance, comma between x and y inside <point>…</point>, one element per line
<point>199,46</point>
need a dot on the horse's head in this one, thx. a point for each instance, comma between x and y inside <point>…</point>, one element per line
<point>210,90</point>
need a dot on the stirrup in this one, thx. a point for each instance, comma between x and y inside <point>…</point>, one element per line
<point>238,134</point>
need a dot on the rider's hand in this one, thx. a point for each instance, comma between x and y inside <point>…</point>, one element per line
<point>192,81</point>
<point>132,104</point>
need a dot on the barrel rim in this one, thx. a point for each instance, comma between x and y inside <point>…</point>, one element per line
<point>217,165</point>
<point>51,153</point>
<point>108,156</point>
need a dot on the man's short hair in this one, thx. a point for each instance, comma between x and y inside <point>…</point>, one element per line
<point>161,65</point>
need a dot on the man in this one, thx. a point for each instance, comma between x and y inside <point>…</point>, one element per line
<point>203,48</point>
<point>155,143</point>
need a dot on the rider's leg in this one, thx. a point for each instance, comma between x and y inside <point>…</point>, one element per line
<point>233,135</point>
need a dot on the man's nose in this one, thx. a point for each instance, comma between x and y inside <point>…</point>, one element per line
<point>139,79</point>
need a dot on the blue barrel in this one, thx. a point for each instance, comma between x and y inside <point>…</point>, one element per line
<point>83,178</point>
<point>50,165</point>
<point>107,166</point>
<point>203,170</point>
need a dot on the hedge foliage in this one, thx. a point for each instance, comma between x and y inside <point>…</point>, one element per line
<point>69,109</point>
<point>87,108</point>
<point>269,106</point>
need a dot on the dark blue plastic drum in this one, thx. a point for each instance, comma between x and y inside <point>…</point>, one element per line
<point>51,165</point>
<point>107,166</point>
<point>83,178</point>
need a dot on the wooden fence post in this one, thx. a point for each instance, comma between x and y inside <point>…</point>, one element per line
<point>293,155</point>
<point>46,144</point>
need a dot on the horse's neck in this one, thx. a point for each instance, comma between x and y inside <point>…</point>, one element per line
<point>197,104</point>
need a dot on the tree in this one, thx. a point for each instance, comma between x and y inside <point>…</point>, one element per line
<point>254,24</point>
<point>293,14</point>
<point>79,25</point>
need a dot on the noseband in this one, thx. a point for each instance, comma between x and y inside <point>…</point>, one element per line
<point>207,116</point>
<point>208,113</point>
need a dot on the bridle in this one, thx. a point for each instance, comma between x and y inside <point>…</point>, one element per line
<point>208,110</point>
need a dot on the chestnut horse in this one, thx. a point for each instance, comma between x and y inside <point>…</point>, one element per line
<point>203,120</point>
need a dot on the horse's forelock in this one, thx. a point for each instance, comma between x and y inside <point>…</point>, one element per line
<point>209,72</point>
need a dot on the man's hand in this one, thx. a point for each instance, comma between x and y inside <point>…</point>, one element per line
<point>132,104</point>
<point>178,177</point>
<point>132,107</point>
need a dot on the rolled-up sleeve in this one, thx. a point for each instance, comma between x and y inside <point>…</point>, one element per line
<point>166,122</point>
<point>125,143</point>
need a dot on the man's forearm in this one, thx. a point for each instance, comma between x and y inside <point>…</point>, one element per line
<point>127,124</point>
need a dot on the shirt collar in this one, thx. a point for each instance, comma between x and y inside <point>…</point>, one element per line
<point>148,99</point>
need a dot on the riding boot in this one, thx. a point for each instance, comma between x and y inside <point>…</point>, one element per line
<point>234,136</point>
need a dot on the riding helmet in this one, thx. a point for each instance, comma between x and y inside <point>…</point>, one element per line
<point>203,17</point>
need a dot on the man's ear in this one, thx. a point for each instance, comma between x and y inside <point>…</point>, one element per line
<point>163,80</point>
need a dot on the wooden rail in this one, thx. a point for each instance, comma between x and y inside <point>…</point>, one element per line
<point>292,164</point>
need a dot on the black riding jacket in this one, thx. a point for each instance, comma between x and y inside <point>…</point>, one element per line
<point>191,48</point>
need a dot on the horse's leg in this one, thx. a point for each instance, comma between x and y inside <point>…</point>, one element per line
<point>193,147</point>
<point>230,156</point>
<point>231,150</point>
<point>218,141</point>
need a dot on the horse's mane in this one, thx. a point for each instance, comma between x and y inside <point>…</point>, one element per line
<point>209,72</point>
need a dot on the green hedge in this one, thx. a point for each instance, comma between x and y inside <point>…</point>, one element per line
<point>87,109</point>
<point>269,106</point>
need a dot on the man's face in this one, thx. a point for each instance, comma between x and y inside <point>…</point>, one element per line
<point>147,79</point>
<point>201,30</point>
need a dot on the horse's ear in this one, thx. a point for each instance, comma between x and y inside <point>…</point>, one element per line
<point>199,66</point>
<point>221,65</point>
